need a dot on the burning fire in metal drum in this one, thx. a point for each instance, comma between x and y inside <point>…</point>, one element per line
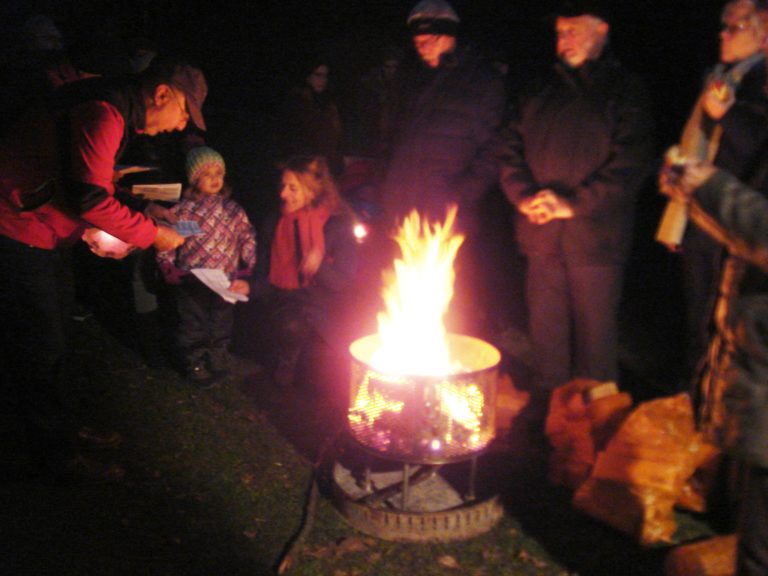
<point>420,394</point>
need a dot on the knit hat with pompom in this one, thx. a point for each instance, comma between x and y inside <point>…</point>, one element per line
<point>200,158</point>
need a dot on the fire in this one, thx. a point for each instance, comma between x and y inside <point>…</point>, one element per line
<point>416,295</point>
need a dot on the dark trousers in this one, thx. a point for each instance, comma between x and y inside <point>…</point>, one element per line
<point>573,319</point>
<point>753,525</point>
<point>205,320</point>
<point>36,294</point>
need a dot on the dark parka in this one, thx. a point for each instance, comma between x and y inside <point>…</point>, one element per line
<point>441,146</point>
<point>586,134</point>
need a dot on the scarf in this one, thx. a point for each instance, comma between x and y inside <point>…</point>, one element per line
<point>701,135</point>
<point>296,234</point>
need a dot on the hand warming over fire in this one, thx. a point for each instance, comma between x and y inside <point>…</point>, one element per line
<point>311,263</point>
<point>546,206</point>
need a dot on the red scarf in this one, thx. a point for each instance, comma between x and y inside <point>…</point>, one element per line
<point>284,266</point>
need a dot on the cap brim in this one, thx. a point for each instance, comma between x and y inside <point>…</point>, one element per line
<point>196,114</point>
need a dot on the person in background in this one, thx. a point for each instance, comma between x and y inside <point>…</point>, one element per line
<point>727,126</point>
<point>574,155</point>
<point>228,243</point>
<point>58,168</point>
<point>307,264</point>
<point>309,120</point>
<point>735,386</point>
<point>441,144</point>
<point>374,92</point>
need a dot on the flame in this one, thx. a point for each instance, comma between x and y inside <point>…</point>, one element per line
<point>416,295</point>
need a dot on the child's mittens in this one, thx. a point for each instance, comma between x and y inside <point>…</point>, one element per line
<point>171,273</point>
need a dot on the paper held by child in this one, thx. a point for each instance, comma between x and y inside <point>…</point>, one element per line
<point>160,192</point>
<point>217,281</point>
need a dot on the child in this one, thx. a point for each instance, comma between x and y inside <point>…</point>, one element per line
<point>228,243</point>
<point>308,262</point>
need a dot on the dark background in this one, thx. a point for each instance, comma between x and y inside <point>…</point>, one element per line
<point>250,48</point>
<point>251,51</point>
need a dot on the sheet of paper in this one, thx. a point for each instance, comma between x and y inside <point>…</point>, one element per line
<point>188,228</point>
<point>217,281</point>
<point>161,192</point>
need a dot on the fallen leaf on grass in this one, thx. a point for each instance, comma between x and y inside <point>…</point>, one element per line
<point>251,415</point>
<point>350,545</point>
<point>448,561</point>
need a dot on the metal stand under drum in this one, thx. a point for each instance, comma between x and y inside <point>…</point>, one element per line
<point>411,502</point>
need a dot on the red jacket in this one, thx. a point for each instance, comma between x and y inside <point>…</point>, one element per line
<point>71,166</point>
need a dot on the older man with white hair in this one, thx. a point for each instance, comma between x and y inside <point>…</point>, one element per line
<point>575,153</point>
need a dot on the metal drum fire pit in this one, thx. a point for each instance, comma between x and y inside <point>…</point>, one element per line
<point>425,419</point>
<point>414,431</point>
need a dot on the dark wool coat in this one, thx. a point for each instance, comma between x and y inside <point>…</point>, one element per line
<point>442,145</point>
<point>586,134</point>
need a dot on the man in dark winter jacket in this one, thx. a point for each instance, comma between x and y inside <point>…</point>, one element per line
<point>574,155</point>
<point>57,172</point>
<point>734,403</point>
<point>441,148</point>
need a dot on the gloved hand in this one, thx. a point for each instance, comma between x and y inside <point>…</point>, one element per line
<point>172,274</point>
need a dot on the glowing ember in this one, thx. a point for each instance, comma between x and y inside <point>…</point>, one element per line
<point>416,295</point>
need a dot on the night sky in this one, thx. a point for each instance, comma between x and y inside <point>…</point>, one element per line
<point>249,49</point>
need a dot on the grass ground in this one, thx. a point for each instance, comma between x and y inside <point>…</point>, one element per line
<point>216,481</point>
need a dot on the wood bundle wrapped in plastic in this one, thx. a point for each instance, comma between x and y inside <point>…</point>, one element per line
<point>696,490</point>
<point>640,475</point>
<point>712,557</point>
<point>583,414</point>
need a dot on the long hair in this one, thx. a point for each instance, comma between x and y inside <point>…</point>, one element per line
<point>313,173</point>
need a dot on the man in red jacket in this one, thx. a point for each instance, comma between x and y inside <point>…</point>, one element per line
<point>57,171</point>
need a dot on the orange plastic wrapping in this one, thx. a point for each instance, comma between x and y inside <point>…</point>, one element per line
<point>639,477</point>
<point>712,557</point>
<point>583,414</point>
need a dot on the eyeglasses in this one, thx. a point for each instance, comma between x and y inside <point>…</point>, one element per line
<point>734,28</point>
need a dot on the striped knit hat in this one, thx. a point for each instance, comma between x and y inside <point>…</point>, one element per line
<point>200,158</point>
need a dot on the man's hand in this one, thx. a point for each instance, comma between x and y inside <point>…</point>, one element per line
<point>160,213</point>
<point>680,182</point>
<point>240,286</point>
<point>718,99</point>
<point>546,206</point>
<point>167,239</point>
